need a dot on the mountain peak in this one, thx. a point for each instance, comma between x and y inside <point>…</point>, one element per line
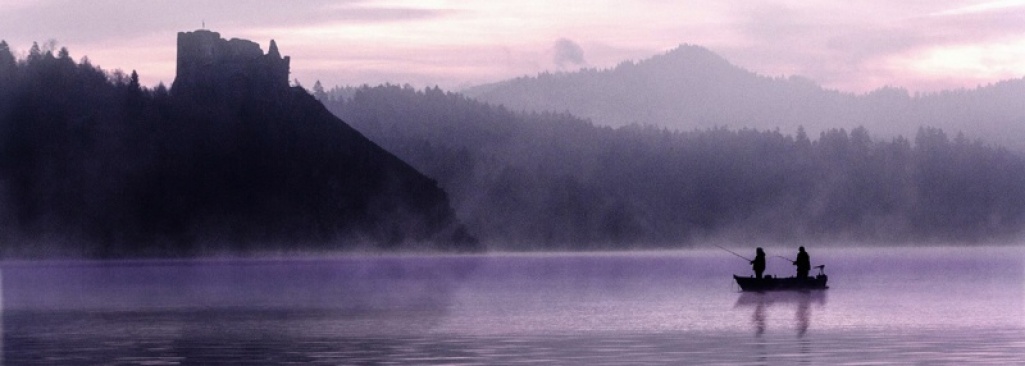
<point>693,52</point>
<point>695,59</point>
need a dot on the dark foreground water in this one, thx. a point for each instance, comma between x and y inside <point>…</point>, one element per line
<point>904,306</point>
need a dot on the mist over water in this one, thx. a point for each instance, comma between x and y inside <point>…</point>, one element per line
<point>234,159</point>
<point>906,305</point>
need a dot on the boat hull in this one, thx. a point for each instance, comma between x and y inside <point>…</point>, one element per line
<point>782,284</point>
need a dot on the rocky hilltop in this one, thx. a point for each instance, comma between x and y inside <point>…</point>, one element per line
<point>230,160</point>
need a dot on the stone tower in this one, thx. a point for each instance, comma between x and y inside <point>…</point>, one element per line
<point>208,63</point>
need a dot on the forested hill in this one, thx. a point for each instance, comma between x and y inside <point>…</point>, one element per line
<point>691,87</point>
<point>92,164</point>
<point>530,180</point>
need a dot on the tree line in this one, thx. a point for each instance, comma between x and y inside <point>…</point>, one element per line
<point>93,164</point>
<point>523,180</point>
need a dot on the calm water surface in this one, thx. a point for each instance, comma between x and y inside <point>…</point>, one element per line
<point>905,306</point>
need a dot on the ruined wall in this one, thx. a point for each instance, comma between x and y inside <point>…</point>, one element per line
<point>208,64</point>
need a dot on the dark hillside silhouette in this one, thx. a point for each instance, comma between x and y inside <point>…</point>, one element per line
<point>692,88</point>
<point>230,159</point>
<point>529,180</point>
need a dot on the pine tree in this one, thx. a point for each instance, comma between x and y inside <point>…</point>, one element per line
<point>318,92</point>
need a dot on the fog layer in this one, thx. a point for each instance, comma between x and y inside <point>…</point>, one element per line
<point>530,180</point>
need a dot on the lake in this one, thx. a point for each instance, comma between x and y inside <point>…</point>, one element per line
<point>885,305</point>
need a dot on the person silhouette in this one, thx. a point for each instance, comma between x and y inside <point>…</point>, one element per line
<point>758,264</point>
<point>803,263</point>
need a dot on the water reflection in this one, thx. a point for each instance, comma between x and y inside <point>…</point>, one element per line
<point>164,311</point>
<point>497,310</point>
<point>800,300</point>
<point>356,285</point>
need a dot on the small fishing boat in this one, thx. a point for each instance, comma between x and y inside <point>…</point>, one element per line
<point>769,283</point>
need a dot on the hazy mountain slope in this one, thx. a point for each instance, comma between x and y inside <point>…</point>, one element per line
<point>529,180</point>
<point>691,87</point>
<point>92,164</point>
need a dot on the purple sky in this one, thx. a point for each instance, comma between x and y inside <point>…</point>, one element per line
<point>848,45</point>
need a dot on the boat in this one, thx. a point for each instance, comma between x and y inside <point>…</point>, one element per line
<point>769,283</point>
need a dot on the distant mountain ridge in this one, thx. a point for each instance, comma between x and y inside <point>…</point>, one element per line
<point>691,87</point>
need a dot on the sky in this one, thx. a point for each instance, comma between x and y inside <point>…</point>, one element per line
<point>855,46</point>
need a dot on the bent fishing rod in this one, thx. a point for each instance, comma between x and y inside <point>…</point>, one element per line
<point>732,252</point>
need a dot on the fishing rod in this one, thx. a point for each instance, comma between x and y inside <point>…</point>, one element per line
<point>732,252</point>
<point>791,260</point>
<point>821,267</point>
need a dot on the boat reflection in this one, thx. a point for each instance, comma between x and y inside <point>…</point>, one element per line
<point>762,301</point>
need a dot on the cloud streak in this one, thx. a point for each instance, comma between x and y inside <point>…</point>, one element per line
<point>855,51</point>
<point>103,19</point>
<point>982,8</point>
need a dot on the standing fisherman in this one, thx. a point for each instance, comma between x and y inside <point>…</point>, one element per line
<point>803,263</point>
<point>758,264</point>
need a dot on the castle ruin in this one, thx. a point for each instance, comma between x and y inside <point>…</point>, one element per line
<point>206,61</point>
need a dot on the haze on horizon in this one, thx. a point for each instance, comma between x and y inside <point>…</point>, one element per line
<point>920,45</point>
